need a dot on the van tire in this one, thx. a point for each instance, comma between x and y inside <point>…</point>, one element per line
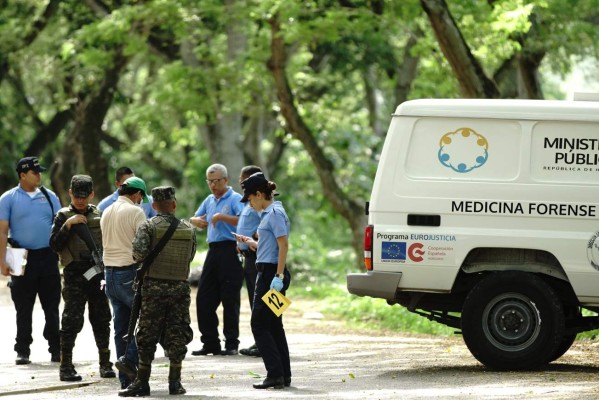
<point>513,321</point>
<point>563,347</point>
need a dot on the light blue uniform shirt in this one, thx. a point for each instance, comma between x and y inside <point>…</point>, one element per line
<point>146,207</point>
<point>29,219</point>
<point>274,224</point>
<point>229,204</point>
<point>249,219</point>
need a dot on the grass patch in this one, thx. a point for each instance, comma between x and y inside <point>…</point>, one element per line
<point>367,312</point>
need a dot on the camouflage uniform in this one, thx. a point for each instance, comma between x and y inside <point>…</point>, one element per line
<point>165,295</point>
<point>77,290</point>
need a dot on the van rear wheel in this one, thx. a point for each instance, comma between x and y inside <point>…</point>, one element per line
<point>564,346</point>
<point>513,320</point>
<point>572,311</point>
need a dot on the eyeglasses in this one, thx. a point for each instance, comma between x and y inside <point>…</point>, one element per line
<point>214,181</point>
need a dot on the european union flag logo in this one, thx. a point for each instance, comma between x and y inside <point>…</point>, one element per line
<point>393,251</point>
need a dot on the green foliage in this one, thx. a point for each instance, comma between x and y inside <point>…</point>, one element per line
<point>187,68</point>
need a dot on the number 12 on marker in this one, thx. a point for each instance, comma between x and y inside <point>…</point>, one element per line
<point>276,301</point>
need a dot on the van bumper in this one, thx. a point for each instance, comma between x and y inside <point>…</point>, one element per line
<point>381,285</point>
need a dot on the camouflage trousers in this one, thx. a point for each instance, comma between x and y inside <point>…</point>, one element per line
<point>164,310</point>
<point>76,292</point>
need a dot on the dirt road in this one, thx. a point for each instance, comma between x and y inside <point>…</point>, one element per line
<point>329,361</point>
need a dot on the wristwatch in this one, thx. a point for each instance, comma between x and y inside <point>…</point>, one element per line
<point>280,276</point>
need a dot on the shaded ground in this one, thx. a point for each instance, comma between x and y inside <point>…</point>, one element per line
<point>329,361</point>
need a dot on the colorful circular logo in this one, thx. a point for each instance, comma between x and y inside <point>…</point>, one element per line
<point>463,150</point>
<point>593,250</point>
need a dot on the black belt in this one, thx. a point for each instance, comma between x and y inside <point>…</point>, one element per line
<point>123,268</point>
<point>224,243</point>
<point>248,253</point>
<point>262,266</point>
<point>43,250</point>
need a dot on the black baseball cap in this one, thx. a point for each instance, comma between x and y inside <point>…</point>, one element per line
<point>29,163</point>
<point>253,184</point>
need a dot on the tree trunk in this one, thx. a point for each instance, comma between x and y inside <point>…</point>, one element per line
<point>468,71</point>
<point>407,71</point>
<point>81,153</point>
<point>349,209</point>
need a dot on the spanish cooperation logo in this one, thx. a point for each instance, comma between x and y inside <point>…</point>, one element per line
<point>463,150</point>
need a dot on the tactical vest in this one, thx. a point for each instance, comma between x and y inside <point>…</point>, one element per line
<point>76,250</point>
<point>173,261</point>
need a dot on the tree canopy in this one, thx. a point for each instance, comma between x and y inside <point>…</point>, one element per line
<point>302,88</point>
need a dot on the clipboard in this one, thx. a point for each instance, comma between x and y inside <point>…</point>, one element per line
<point>16,258</point>
<point>276,301</point>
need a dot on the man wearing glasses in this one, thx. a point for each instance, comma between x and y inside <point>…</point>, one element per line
<point>222,274</point>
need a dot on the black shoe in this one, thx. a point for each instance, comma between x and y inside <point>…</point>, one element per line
<point>55,357</point>
<point>204,352</point>
<point>106,371</point>
<point>136,389</point>
<point>287,381</point>
<point>229,352</point>
<point>175,387</point>
<point>251,351</point>
<point>22,359</point>
<point>127,367</point>
<point>68,374</point>
<point>276,383</point>
<point>125,384</point>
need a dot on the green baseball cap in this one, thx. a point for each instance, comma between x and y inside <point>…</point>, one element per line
<point>137,183</point>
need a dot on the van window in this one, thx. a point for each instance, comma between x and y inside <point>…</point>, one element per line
<point>565,152</point>
<point>464,149</point>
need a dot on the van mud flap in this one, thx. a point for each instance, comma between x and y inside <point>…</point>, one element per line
<point>381,285</point>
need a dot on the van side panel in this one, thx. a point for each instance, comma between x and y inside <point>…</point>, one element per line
<point>492,183</point>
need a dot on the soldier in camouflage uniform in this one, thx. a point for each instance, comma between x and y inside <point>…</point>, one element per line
<point>75,256</point>
<point>165,293</point>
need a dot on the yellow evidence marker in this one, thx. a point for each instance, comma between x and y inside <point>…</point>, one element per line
<point>276,301</point>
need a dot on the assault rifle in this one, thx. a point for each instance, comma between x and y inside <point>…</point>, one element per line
<point>82,230</point>
<point>123,364</point>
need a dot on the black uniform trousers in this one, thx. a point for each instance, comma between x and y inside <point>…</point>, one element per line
<point>220,282</point>
<point>267,328</point>
<point>250,273</point>
<point>42,279</point>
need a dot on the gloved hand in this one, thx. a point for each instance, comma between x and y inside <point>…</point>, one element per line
<point>276,284</point>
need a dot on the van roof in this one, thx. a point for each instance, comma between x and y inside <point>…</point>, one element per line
<point>558,110</point>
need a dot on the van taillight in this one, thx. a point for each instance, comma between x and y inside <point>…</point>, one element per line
<point>368,247</point>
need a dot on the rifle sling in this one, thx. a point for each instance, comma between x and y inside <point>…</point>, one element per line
<point>158,248</point>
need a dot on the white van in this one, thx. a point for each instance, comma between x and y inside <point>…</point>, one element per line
<point>484,216</point>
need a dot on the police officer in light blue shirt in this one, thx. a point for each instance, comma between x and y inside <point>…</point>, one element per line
<point>222,274</point>
<point>272,247</point>
<point>27,213</point>
<point>121,176</point>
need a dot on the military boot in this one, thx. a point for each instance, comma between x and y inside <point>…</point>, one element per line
<point>127,367</point>
<point>174,380</point>
<point>106,370</point>
<point>141,386</point>
<point>136,389</point>
<point>67,371</point>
